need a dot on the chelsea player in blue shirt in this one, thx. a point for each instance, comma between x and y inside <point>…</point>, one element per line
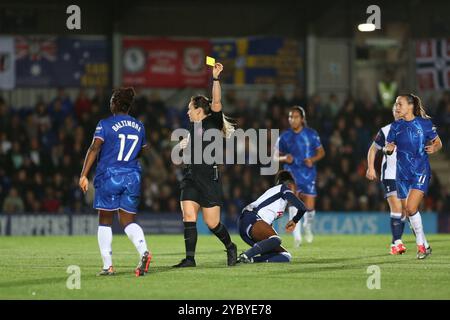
<point>117,143</point>
<point>414,137</point>
<point>300,148</point>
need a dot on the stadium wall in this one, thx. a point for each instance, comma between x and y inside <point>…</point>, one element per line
<point>171,223</point>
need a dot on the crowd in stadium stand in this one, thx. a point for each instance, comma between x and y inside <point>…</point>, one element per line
<point>42,151</point>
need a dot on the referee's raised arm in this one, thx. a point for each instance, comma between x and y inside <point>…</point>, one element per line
<point>216,104</point>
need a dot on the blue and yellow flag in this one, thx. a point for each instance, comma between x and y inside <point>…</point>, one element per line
<point>260,60</point>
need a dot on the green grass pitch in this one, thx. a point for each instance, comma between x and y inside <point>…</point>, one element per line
<point>333,267</point>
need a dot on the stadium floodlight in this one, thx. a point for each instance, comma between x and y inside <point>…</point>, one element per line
<point>366,27</point>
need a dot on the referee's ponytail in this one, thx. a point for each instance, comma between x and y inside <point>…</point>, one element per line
<point>203,102</point>
<point>228,126</point>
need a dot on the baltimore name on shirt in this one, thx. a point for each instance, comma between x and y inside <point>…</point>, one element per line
<point>126,123</point>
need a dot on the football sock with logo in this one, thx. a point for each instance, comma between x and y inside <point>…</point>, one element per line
<point>190,239</point>
<point>397,226</point>
<point>136,235</point>
<point>416,222</point>
<point>104,236</point>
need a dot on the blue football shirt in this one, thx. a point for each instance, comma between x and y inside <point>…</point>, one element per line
<point>300,145</point>
<point>123,137</point>
<point>411,137</point>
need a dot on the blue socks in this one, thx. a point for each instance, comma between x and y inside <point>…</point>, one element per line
<point>262,251</point>
<point>397,226</point>
<point>263,246</point>
<point>273,257</point>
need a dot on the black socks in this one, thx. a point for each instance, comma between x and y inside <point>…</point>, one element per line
<point>190,239</point>
<point>221,232</point>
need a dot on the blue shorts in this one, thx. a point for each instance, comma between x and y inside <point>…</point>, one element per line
<point>118,188</point>
<point>306,182</point>
<point>390,188</point>
<point>307,188</point>
<point>419,182</point>
<point>245,223</point>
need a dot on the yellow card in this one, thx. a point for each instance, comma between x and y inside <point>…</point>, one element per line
<point>210,61</point>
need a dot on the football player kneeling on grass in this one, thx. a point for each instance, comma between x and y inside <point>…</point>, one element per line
<point>255,221</point>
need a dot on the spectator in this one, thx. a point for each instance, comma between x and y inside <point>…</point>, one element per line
<point>13,203</point>
<point>42,117</point>
<point>82,104</point>
<point>57,114</point>
<point>50,203</point>
<point>32,204</point>
<point>332,107</point>
<point>5,143</point>
<point>66,102</point>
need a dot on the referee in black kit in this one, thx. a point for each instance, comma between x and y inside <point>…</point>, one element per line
<point>201,186</point>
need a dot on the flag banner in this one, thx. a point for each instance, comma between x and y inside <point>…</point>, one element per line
<point>260,60</point>
<point>7,63</point>
<point>433,64</point>
<point>165,62</point>
<point>43,61</point>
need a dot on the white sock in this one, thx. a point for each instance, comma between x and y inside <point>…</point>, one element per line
<point>136,235</point>
<point>396,215</point>
<point>416,222</point>
<point>309,218</point>
<point>296,233</point>
<point>104,235</point>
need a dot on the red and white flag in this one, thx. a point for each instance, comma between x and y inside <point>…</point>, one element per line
<point>433,64</point>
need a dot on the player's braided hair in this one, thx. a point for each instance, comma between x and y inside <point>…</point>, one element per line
<point>203,102</point>
<point>418,108</point>
<point>284,176</point>
<point>123,99</point>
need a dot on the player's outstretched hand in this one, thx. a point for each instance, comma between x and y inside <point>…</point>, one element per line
<point>218,67</point>
<point>371,174</point>
<point>84,184</point>
<point>290,226</point>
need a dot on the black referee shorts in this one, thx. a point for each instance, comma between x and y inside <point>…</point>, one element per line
<point>206,191</point>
